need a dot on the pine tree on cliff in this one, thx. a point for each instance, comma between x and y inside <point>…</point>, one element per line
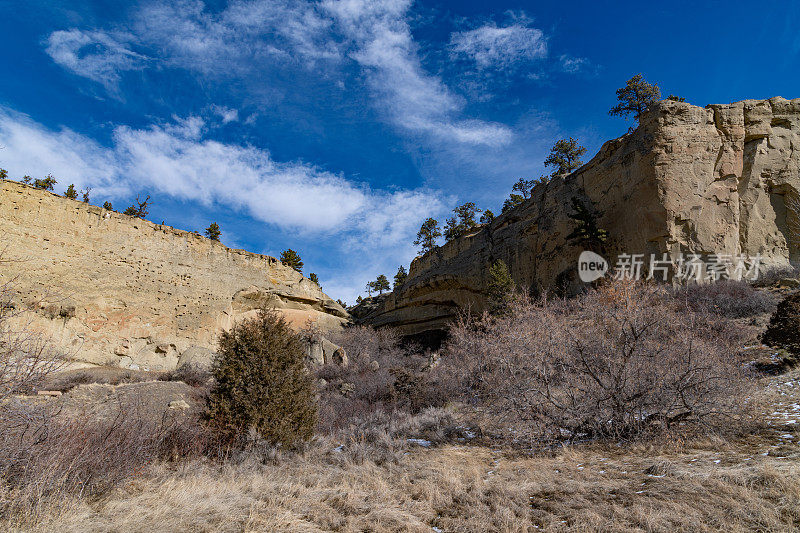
<point>500,286</point>
<point>382,284</point>
<point>565,156</point>
<point>71,193</point>
<point>292,259</point>
<point>451,229</point>
<point>635,98</point>
<point>3,174</point>
<point>85,195</point>
<point>524,187</point>
<point>427,235</point>
<point>47,183</point>
<point>466,215</point>
<point>400,277</point>
<point>513,201</point>
<point>213,232</point>
<point>487,217</point>
<point>313,277</point>
<point>587,231</point>
<point>141,208</point>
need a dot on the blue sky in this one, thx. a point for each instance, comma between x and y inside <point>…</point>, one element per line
<point>335,127</point>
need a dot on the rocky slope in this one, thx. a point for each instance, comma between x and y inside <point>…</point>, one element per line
<point>121,291</point>
<point>687,180</point>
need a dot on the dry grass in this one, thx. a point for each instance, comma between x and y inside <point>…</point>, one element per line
<point>702,483</point>
<point>459,488</point>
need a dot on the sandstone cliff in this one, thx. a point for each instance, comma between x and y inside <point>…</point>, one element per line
<point>687,180</point>
<point>122,291</point>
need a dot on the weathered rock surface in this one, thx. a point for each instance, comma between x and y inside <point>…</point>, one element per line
<point>121,291</point>
<point>687,180</point>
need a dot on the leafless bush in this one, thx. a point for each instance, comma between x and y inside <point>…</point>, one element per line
<point>26,356</point>
<point>732,299</point>
<point>613,363</point>
<point>191,374</point>
<point>46,456</point>
<point>383,375</point>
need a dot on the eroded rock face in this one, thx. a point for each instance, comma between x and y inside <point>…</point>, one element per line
<point>687,180</point>
<point>121,291</point>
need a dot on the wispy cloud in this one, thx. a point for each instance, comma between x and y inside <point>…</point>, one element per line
<point>413,99</point>
<point>574,65</point>
<point>97,55</point>
<point>176,159</point>
<point>500,47</point>
<point>248,38</point>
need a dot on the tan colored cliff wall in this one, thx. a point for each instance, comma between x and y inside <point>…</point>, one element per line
<point>688,179</point>
<point>134,293</point>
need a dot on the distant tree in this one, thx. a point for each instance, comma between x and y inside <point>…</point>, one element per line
<point>463,222</point>
<point>313,277</point>
<point>3,174</point>
<point>513,201</point>
<point>427,235</point>
<point>674,98</point>
<point>139,210</point>
<point>635,98</point>
<point>400,277</point>
<point>342,303</point>
<point>487,217</point>
<point>359,299</point>
<point>86,195</point>
<point>524,187</point>
<point>370,288</point>
<point>213,232</point>
<point>107,205</point>
<point>26,179</point>
<point>292,259</point>
<point>565,156</point>
<point>47,183</point>
<point>382,284</point>
<point>452,229</point>
<point>466,215</point>
<point>542,180</point>
<point>587,230</point>
<point>500,286</point>
<point>71,193</point>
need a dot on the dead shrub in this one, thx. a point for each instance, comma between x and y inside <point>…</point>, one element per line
<point>728,298</point>
<point>26,356</point>
<point>46,456</point>
<point>384,373</point>
<point>616,362</point>
<point>191,374</point>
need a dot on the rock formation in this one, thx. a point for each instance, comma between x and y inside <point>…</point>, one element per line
<point>121,291</point>
<point>687,180</point>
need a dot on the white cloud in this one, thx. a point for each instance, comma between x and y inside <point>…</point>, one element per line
<point>248,37</point>
<point>490,46</point>
<point>573,65</point>
<point>413,99</point>
<point>96,55</point>
<point>226,114</point>
<point>176,160</point>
